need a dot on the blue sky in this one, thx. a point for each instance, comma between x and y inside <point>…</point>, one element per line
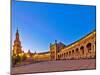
<point>40,24</point>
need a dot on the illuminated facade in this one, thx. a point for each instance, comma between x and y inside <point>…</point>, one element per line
<point>17,48</point>
<point>82,49</point>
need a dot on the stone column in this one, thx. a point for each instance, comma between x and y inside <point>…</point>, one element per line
<point>85,51</point>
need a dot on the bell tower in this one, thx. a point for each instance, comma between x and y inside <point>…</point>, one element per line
<point>17,48</point>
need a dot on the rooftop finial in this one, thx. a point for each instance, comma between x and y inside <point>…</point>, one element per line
<point>50,44</point>
<point>55,41</point>
<point>17,34</point>
<point>17,29</point>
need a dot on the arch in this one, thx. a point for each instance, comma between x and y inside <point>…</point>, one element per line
<point>88,46</point>
<point>72,51</point>
<point>77,50</point>
<point>95,45</point>
<point>69,52</point>
<point>64,55</point>
<point>82,49</point>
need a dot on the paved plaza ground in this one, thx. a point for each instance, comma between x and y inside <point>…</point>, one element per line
<point>61,65</point>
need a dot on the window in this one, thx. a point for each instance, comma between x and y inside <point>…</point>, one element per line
<point>88,46</point>
<point>76,49</point>
<point>72,51</point>
<point>69,52</point>
<point>82,49</point>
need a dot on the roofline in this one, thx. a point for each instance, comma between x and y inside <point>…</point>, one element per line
<point>44,52</point>
<point>82,38</point>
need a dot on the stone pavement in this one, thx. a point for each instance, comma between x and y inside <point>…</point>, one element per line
<point>51,66</point>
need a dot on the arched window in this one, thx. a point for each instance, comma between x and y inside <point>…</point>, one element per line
<point>72,51</point>
<point>82,49</point>
<point>64,54</point>
<point>88,46</point>
<point>69,52</point>
<point>77,50</point>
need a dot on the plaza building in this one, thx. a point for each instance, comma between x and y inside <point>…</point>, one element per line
<point>84,48</point>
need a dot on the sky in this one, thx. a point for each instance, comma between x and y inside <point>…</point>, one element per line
<point>40,24</point>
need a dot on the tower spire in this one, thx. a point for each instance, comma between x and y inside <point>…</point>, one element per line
<point>17,34</point>
<point>17,29</point>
